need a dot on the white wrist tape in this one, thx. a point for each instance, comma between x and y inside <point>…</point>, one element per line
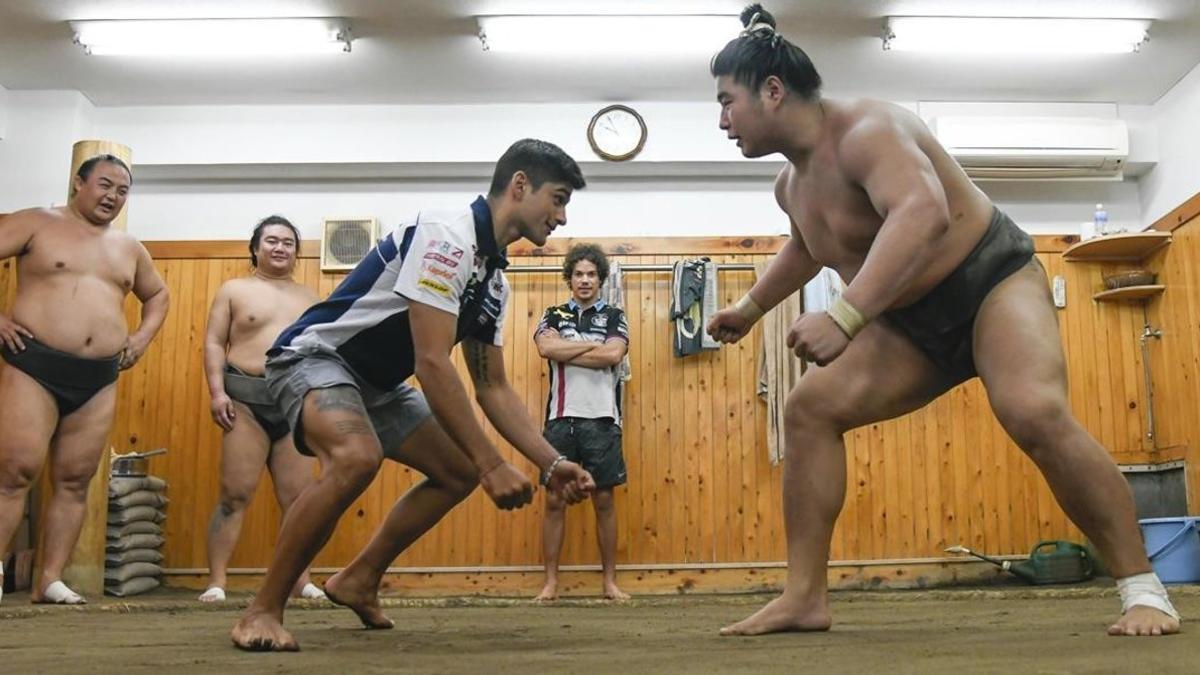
<point>1146,590</point>
<point>749,309</point>
<point>847,317</point>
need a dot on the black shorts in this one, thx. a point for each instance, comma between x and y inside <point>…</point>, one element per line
<point>594,444</point>
<point>251,391</point>
<point>942,323</point>
<point>71,380</point>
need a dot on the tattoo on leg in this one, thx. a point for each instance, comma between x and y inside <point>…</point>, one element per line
<point>353,427</point>
<point>339,398</point>
<point>477,360</point>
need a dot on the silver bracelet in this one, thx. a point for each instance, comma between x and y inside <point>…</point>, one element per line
<point>550,469</point>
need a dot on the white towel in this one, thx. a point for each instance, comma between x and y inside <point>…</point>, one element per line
<point>613,294</point>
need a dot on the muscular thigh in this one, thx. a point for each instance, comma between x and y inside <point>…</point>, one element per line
<point>881,375</point>
<point>28,417</point>
<point>1017,347</point>
<point>290,470</point>
<point>334,420</point>
<point>243,452</point>
<point>430,450</point>
<point>82,436</point>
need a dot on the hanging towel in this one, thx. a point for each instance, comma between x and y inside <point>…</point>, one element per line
<point>613,294</point>
<point>779,369</point>
<point>822,291</point>
<point>692,302</point>
<point>710,304</point>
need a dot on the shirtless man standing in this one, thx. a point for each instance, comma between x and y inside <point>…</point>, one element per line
<point>941,287</point>
<point>64,343</point>
<point>246,316</point>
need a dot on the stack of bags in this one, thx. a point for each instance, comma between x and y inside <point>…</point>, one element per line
<point>135,514</point>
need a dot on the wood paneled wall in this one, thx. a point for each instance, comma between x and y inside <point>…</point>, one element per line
<point>701,489</point>
<point>1175,358</point>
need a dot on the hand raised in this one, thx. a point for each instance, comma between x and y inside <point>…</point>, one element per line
<point>728,326</point>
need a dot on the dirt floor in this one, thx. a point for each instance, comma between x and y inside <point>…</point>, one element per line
<point>960,631</point>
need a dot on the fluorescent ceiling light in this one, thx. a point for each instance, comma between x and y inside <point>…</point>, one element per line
<point>1014,36</point>
<point>613,34</point>
<point>213,37</point>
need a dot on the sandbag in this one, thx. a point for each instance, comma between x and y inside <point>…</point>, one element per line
<point>135,513</point>
<point>118,558</point>
<point>116,575</point>
<point>138,498</point>
<point>136,527</point>
<point>119,486</point>
<point>133,541</point>
<point>132,586</point>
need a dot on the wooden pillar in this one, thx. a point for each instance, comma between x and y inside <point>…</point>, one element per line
<point>85,570</point>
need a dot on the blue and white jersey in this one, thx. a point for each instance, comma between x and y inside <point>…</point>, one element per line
<point>448,260</point>
<point>579,391</point>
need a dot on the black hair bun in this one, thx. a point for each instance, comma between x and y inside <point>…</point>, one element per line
<point>756,14</point>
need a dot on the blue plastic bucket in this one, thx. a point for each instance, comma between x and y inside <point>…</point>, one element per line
<point>1173,546</point>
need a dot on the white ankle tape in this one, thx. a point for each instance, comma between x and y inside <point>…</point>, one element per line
<point>1146,590</point>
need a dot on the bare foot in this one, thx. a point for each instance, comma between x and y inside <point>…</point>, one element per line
<point>549,592</point>
<point>262,633</point>
<point>364,602</point>
<point>783,615</point>
<point>1143,620</point>
<point>611,592</point>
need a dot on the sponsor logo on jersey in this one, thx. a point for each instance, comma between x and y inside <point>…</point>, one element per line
<point>437,271</point>
<point>435,286</point>
<point>438,257</point>
<point>444,247</point>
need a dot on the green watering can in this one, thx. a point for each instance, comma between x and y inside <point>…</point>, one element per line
<point>1050,562</point>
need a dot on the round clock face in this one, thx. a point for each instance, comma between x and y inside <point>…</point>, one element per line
<point>617,133</point>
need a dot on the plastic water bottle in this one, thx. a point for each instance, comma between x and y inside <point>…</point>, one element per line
<point>1100,221</point>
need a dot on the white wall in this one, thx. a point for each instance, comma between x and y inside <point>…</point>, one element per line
<point>1177,176</point>
<point>380,133</point>
<point>228,211</point>
<point>188,186</point>
<point>35,152</point>
<point>3,113</point>
<point>630,205</point>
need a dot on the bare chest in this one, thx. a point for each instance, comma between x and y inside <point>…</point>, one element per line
<point>834,217</point>
<point>265,308</point>
<point>55,254</point>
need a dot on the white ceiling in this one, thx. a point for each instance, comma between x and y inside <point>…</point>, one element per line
<point>425,51</point>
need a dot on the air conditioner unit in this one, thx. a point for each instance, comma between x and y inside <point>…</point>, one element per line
<point>1035,147</point>
<point>346,241</point>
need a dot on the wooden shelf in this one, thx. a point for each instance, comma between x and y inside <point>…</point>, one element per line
<point>1129,293</point>
<point>1127,247</point>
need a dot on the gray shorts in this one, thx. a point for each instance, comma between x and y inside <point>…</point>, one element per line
<point>394,414</point>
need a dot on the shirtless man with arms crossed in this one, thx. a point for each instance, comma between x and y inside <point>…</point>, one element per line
<point>64,343</point>
<point>941,287</point>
